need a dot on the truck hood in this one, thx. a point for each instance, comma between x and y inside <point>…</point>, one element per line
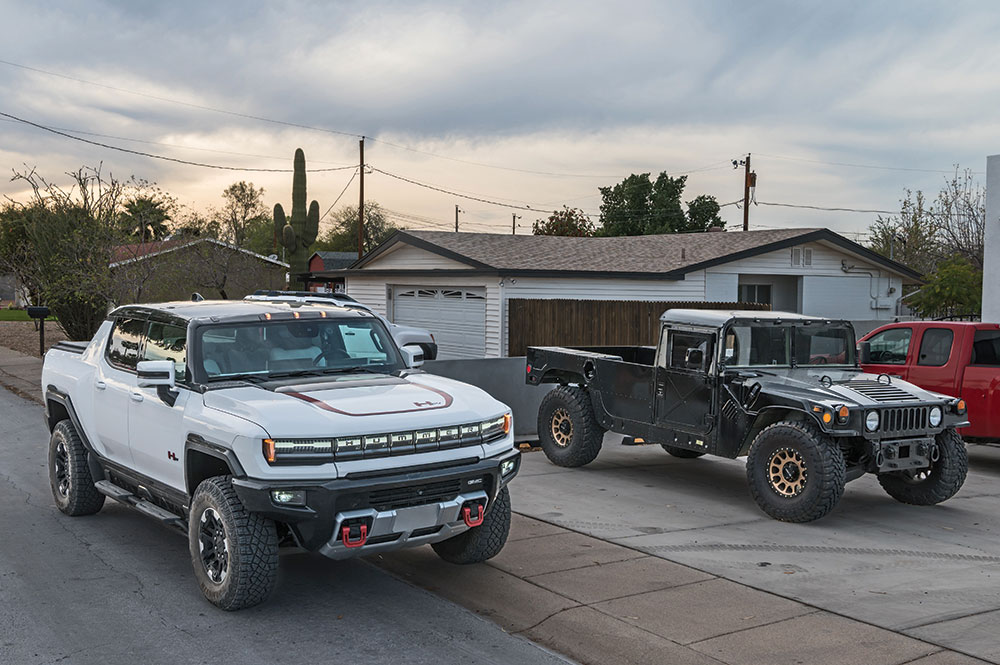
<point>845,386</point>
<point>355,404</point>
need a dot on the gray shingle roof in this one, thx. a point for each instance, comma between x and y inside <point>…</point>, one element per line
<point>337,260</point>
<point>653,253</point>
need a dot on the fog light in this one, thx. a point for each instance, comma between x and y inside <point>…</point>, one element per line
<point>507,467</point>
<point>934,417</point>
<point>289,497</point>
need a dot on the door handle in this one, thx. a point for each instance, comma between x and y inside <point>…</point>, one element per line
<point>136,397</point>
<point>100,385</point>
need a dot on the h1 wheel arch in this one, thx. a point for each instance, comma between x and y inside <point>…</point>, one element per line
<point>770,415</point>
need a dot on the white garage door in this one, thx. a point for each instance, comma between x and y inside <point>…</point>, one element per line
<point>455,316</point>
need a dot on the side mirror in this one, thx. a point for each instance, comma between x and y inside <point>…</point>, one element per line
<point>156,373</point>
<point>413,356</point>
<point>693,358</point>
<point>864,353</point>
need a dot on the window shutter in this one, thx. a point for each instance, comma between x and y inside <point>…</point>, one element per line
<point>796,256</point>
<point>807,257</point>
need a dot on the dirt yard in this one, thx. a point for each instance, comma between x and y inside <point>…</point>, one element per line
<point>22,336</point>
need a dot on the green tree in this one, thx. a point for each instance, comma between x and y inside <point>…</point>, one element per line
<point>342,236</point>
<point>641,206</point>
<point>244,220</point>
<point>147,215</point>
<point>565,222</point>
<point>954,288</point>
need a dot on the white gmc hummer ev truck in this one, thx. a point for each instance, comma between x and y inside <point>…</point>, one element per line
<point>251,425</point>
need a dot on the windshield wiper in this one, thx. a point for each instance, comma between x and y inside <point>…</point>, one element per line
<point>298,372</point>
<point>352,370</point>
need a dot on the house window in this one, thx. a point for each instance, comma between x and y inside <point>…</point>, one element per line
<point>758,293</point>
<point>802,256</point>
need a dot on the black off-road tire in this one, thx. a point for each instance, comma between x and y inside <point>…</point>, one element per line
<point>481,542</point>
<point>69,473</point>
<point>251,547</point>
<point>926,487</point>
<point>567,428</point>
<point>796,474</point>
<point>682,453</point>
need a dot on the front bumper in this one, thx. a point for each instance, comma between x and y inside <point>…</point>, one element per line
<point>400,507</point>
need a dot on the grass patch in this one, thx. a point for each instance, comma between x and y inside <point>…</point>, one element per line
<point>18,315</point>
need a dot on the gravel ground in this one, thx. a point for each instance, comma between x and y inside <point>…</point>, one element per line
<point>22,336</point>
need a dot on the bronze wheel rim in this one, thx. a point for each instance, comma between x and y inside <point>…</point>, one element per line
<point>562,428</point>
<point>787,473</point>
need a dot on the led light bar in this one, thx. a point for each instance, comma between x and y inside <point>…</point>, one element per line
<point>369,446</point>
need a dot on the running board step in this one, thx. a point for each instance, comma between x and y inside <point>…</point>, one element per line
<point>109,489</point>
<point>154,511</point>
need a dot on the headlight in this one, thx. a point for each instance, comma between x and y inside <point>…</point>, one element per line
<point>871,421</point>
<point>934,417</point>
<point>497,428</point>
<point>507,466</point>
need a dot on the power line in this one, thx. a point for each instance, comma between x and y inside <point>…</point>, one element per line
<point>353,176</point>
<point>170,145</point>
<point>452,193</point>
<point>859,166</point>
<point>164,158</point>
<point>829,209</point>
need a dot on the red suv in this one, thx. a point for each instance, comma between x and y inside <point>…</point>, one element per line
<point>954,358</point>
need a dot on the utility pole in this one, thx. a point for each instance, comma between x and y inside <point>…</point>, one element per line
<point>361,201</point>
<point>746,193</point>
<point>457,210</point>
<point>513,223</point>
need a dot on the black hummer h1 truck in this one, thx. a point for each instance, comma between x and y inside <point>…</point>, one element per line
<point>784,389</point>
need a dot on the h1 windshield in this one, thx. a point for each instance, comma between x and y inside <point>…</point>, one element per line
<point>785,345</point>
<point>296,347</point>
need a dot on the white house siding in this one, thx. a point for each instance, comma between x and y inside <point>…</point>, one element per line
<point>372,291</point>
<point>825,276</point>
<point>408,257</point>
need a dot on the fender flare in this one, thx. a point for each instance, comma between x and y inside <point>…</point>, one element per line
<point>200,444</point>
<point>94,459</point>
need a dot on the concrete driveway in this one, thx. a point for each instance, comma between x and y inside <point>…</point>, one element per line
<point>929,572</point>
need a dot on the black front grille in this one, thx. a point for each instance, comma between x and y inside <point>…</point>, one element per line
<point>415,495</point>
<point>881,392</point>
<point>904,419</point>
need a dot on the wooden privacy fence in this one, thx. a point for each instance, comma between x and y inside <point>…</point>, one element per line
<point>593,322</point>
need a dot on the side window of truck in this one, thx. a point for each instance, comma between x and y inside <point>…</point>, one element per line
<point>167,341</point>
<point>125,343</point>
<point>986,348</point>
<point>935,347</point>
<point>690,352</point>
<point>889,347</point>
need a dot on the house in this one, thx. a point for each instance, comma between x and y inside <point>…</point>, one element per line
<point>460,286</point>
<point>321,262</point>
<point>174,268</point>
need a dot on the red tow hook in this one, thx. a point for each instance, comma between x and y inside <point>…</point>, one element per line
<point>467,515</point>
<point>345,536</point>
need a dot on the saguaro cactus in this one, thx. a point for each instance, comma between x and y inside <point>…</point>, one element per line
<point>297,234</point>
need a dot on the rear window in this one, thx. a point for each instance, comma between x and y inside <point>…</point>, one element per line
<point>986,348</point>
<point>935,347</point>
<point>889,347</point>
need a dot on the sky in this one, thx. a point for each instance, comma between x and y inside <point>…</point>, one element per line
<point>531,104</point>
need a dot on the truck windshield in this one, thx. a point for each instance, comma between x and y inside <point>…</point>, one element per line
<point>760,345</point>
<point>296,347</point>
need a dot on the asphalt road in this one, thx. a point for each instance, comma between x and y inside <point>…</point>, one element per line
<point>931,572</point>
<point>117,587</point>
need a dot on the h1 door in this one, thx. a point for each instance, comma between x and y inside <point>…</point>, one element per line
<point>156,429</point>
<point>685,390</point>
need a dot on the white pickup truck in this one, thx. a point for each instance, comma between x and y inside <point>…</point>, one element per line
<point>250,425</point>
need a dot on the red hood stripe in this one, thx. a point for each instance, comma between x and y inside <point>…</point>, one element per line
<point>448,399</point>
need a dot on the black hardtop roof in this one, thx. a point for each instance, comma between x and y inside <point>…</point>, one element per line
<point>234,310</point>
<point>717,318</point>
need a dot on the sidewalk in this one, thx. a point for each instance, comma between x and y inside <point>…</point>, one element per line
<point>21,374</point>
<point>606,604</point>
